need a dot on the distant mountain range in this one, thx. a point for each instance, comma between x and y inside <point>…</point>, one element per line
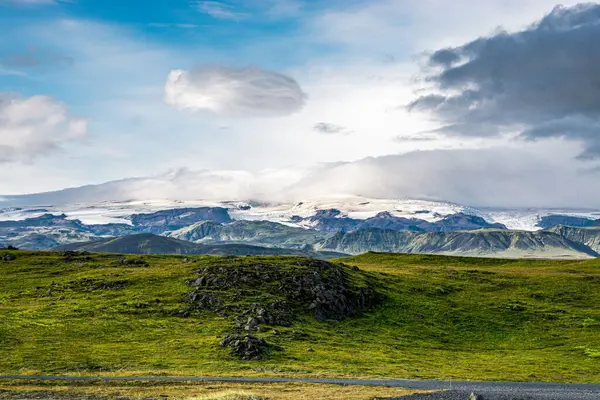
<point>147,243</point>
<point>252,228</point>
<point>480,243</point>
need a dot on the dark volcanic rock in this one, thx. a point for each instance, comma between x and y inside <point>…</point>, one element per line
<point>319,286</point>
<point>246,347</point>
<point>8,257</point>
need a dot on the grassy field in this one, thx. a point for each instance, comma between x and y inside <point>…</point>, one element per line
<point>12,390</point>
<point>445,317</point>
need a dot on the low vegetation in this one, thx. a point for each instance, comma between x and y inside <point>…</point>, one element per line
<point>12,390</point>
<point>419,317</point>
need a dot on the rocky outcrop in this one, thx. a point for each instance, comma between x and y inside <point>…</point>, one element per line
<point>237,288</point>
<point>246,347</point>
<point>8,257</point>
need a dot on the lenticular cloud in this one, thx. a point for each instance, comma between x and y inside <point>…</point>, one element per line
<point>250,92</point>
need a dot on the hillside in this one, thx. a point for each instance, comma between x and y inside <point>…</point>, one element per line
<point>147,243</point>
<point>488,243</point>
<point>412,316</point>
<point>590,236</point>
<point>143,243</point>
<point>264,233</point>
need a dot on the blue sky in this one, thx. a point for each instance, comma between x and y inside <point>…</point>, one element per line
<point>98,90</point>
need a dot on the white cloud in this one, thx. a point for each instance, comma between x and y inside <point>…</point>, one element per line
<point>530,175</point>
<point>410,27</point>
<point>220,10</point>
<point>172,25</point>
<point>234,91</point>
<point>35,126</point>
<point>535,175</point>
<point>272,9</point>
<point>350,86</point>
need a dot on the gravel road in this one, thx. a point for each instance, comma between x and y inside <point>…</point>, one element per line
<point>514,391</point>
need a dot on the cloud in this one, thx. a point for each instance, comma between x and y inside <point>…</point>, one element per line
<point>35,126</point>
<point>221,10</point>
<point>234,92</point>
<point>36,58</point>
<point>537,83</point>
<point>272,9</point>
<point>500,177</point>
<point>330,129</point>
<point>423,137</point>
<point>172,25</point>
<point>496,177</point>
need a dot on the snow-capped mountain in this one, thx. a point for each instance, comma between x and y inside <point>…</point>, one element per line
<point>295,214</point>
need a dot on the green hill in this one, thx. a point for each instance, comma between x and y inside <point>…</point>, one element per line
<point>392,315</point>
<point>147,243</point>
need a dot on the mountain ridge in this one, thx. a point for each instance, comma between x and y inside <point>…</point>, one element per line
<point>148,243</point>
<point>328,229</point>
<point>491,243</point>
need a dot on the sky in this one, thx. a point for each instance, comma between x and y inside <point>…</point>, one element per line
<point>493,103</point>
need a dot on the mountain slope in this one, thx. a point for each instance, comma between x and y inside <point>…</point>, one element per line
<point>172,219</point>
<point>147,243</point>
<point>264,233</point>
<point>490,243</point>
<point>590,236</point>
<point>549,221</point>
<point>143,243</point>
<point>333,220</point>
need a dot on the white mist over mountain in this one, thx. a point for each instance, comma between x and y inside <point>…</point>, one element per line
<point>505,178</point>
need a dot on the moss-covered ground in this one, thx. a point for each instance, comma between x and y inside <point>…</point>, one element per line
<point>445,317</point>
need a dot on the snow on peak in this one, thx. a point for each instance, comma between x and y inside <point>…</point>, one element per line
<point>294,213</point>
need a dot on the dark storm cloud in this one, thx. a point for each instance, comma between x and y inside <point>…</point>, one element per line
<point>543,81</point>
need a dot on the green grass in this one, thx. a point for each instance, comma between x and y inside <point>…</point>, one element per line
<point>445,317</point>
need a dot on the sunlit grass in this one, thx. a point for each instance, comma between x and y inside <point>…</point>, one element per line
<point>445,317</point>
